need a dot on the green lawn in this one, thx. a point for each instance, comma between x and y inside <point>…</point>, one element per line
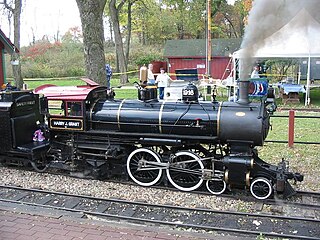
<point>132,93</point>
<point>120,92</point>
<point>305,128</point>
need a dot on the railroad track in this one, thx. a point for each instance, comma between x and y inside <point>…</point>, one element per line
<point>166,215</point>
<point>304,202</point>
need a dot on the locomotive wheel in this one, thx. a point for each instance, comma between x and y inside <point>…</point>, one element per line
<point>143,177</point>
<point>40,165</point>
<point>216,187</point>
<point>261,188</point>
<point>185,176</point>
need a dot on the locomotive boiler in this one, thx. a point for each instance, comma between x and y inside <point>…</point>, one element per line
<point>186,143</point>
<point>210,122</point>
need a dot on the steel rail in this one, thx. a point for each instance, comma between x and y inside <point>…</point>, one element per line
<point>159,205</point>
<point>203,227</point>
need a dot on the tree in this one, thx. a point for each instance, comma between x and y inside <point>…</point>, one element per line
<point>280,67</point>
<point>187,16</point>
<point>91,14</point>
<point>114,11</point>
<point>229,19</point>
<point>15,10</point>
<point>129,29</point>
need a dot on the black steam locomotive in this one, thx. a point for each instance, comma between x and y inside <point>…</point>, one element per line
<point>185,143</point>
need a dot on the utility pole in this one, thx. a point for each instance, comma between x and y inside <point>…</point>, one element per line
<point>208,48</point>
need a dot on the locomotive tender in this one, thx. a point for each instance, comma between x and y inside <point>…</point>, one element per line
<point>187,143</point>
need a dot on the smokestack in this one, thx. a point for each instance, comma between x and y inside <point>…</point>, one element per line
<point>243,92</point>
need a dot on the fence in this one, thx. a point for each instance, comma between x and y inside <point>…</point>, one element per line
<point>291,129</point>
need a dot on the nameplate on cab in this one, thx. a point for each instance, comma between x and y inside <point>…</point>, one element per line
<point>70,124</point>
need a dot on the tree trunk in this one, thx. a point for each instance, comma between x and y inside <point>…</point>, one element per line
<point>91,13</point>
<point>129,27</point>
<point>16,56</point>
<point>111,30</point>
<point>114,14</point>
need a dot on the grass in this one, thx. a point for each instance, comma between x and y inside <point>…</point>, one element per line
<point>120,92</point>
<point>302,158</point>
<point>68,82</point>
<point>126,93</point>
<point>304,127</point>
<point>132,93</point>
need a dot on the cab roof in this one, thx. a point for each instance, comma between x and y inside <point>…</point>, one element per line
<point>69,93</point>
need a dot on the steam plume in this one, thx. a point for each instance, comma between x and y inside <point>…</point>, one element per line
<point>267,17</point>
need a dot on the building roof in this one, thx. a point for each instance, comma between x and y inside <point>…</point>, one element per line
<point>197,47</point>
<point>8,45</point>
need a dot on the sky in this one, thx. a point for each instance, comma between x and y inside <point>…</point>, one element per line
<point>44,17</point>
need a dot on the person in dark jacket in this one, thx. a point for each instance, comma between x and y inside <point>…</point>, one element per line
<point>109,75</point>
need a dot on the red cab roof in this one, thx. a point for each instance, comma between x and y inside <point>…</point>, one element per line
<point>68,93</point>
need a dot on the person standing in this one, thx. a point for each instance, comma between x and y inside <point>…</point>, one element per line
<point>151,80</point>
<point>163,81</point>
<point>109,75</point>
<point>255,72</point>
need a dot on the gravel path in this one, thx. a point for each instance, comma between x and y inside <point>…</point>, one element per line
<point>46,181</point>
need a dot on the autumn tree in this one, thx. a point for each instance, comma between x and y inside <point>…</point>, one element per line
<point>229,20</point>
<point>91,14</point>
<point>247,5</point>
<point>14,8</point>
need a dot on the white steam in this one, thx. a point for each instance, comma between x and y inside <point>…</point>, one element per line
<point>267,17</point>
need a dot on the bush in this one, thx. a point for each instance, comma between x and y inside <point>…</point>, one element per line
<point>66,59</point>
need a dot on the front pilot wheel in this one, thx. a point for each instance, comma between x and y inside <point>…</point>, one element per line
<point>261,188</point>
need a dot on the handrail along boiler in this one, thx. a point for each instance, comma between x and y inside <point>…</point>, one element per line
<point>187,143</point>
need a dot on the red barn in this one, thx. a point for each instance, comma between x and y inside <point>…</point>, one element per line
<point>191,54</point>
<point>6,46</point>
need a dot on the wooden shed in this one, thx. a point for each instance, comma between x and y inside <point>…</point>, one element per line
<point>6,46</point>
<point>191,54</point>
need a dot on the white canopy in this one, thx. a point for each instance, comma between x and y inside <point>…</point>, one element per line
<point>299,38</point>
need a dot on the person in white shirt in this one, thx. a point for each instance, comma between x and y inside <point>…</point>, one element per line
<point>162,81</point>
<point>255,72</point>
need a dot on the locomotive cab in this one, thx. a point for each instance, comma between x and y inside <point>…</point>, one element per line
<point>68,106</point>
<point>66,114</point>
<point>22,133</point>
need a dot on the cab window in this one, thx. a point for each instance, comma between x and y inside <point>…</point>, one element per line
<point>74,108</point>
<point>56,107</point>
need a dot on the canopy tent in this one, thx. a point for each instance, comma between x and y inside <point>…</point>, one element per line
<point>299,38</point>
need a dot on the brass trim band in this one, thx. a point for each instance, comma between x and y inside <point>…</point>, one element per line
<point>218,119</point>
<point>160,116</point>
<point>118,113</point>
